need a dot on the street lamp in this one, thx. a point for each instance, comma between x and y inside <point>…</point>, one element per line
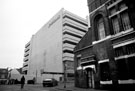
<point>65,77</point>
<point>36,76</point>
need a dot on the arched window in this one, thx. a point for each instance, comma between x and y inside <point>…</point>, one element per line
<point>100,28</point>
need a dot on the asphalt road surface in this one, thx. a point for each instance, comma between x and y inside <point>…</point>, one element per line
<point>39,87</point>
<point>18,88</point>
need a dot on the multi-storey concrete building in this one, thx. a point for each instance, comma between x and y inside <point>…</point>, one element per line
<point>51,51</point>
<point>106,54</point>
<point>26,59</point>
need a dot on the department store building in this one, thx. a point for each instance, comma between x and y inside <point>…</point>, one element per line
<point>49,53</point>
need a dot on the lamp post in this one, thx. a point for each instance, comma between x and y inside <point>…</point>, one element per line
<point>65,77</point>
<point>8,74</point>
<point>36,76</point>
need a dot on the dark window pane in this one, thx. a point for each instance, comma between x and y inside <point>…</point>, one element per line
<point>122,69</point>
<point>101,29</point>
<point>115,23</point>
<point>131,65</point>
<point>105,72</point>
<point>125,21</point>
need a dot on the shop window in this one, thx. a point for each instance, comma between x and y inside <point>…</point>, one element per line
<point>101,28</point>
<point>105,71</point>
<point>131,65</point>
<point>125,21</point>
<point>115,24</point>
<point>122,69</point>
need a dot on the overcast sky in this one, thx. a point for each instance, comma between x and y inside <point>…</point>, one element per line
<point>19,19</point>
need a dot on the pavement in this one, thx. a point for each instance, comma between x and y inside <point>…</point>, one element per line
<point>71,87</point>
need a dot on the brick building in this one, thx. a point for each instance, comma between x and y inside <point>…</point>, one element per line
<point>3,75</point>
<point>106,54</point>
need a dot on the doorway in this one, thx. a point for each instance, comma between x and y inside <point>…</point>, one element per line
<point>90,77</point>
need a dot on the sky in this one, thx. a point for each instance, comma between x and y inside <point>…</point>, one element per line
<point>20,19</point>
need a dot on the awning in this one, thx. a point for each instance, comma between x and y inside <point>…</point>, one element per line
<point>87,61</point>
<point>79,68</point>
<point>84,67</point>
<point>89,66</point>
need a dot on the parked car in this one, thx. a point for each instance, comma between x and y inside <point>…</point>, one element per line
<point>30,82</point>
<point>50,82</point>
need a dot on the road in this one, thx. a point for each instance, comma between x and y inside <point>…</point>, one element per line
<point>60,87</point>
<point>39,87</point>
<point>26,88</point>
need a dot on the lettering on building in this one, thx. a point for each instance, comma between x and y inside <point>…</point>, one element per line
<point>50,24</point>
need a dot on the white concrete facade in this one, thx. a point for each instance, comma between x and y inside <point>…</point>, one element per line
<point>53,44</point>
<point>26,59</point>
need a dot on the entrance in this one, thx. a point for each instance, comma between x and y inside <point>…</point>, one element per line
<point>90,77</point>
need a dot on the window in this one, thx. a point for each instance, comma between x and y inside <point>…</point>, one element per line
<point>105,72</point>
<point>78,61</point>
<point>103,1</point>
<point>123,73</point>
<point>70,65</point>
<point>68,51</point>
<point>131,62</point>
<point>3,76</point>
<point>130,49</point>
<point>119,17</point>
<point>97,3</point>
<point>115,24</point>
<point>93,6</point>
<point>121,6</point>
<point>119,52</point>
<point>25,72</point>
<point>125,21</point>
<point>70,74</point>
<point>101,29</point>
<point>113,11</point>
<point>4,71</point>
